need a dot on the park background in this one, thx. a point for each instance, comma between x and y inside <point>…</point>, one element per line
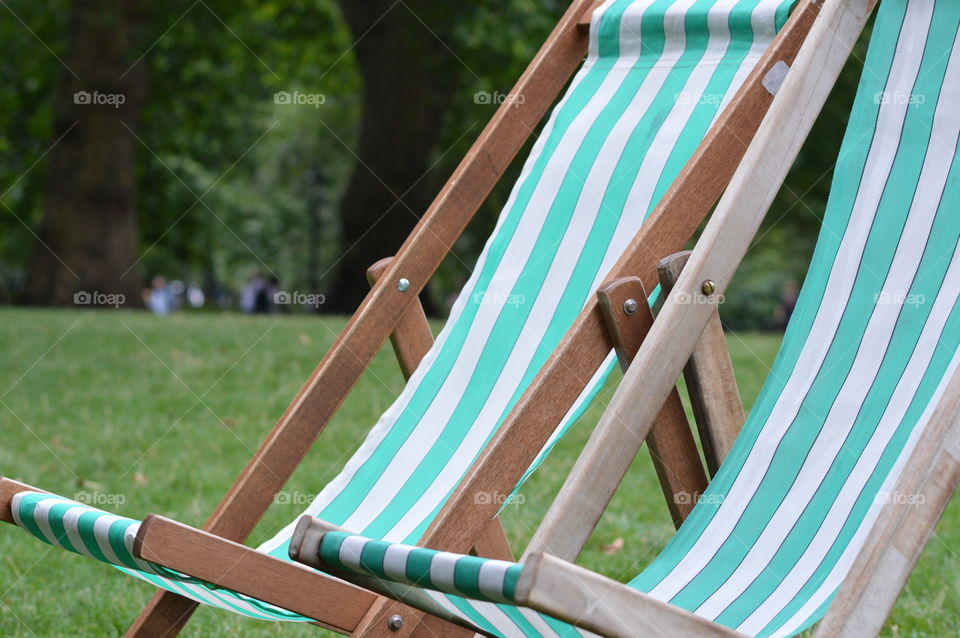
<point>301,140</point>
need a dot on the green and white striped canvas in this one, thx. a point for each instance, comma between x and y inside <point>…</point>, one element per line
<point>657,75</point>
<point>869,350</point>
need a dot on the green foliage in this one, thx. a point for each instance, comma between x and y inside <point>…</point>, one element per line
<point>212,130</point>
<point>28,81</point>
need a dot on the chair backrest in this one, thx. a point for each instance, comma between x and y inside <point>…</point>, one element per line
<point>868,353</point>
<point>657,75</point>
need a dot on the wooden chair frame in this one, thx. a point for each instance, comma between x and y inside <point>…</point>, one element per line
<point>930,477</point>
<point>215,555</point>
<point>932,472</point>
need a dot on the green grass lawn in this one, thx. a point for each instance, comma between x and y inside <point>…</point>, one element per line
<point>159,415</point>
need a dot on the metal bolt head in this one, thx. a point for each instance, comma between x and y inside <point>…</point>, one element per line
<point>708,287</point>
<point>403,285</point>
<point>395,622</point>
<point>630,307</point>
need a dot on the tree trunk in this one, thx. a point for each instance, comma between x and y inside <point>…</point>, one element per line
<point>88,238</point>
<point>409,78</point>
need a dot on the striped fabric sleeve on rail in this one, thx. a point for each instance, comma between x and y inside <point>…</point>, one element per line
<point>469,576</point>
<point>108,538</point>
<point>80,528</point>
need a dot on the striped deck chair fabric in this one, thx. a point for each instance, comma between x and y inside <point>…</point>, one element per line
<point>866,357</point>
<point>657,75</point>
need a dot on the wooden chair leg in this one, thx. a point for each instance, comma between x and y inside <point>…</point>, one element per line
<point>628,317</point>
<point>411,340</point>
<point>164,616</point>
<point>494,543</point>
<point>710,379</point>
<point>412,337</point>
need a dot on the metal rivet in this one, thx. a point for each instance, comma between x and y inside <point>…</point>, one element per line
<point>403,285</point>
<point>630,306</point>
<point>708,287</point>
<point>395,622</point>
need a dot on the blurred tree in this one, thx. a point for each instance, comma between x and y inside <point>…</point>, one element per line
<point>88,238</point>
<point>410,73</point>
<point>222,169</point>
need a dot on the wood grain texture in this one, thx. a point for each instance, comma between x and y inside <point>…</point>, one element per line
<point>673,449</point>
<point>493,543</point>
<point>604,606</point>
<point>711,382</point>
<point>583,23</point>
<point>411,338</point>
<point>600,469</point>
<point>905,525</point>
<point>8,489</point>
<point>164,616</point>
<point>336,605</point>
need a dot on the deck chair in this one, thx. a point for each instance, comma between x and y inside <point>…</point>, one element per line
<point>852,450</point>
<point>658,74</point>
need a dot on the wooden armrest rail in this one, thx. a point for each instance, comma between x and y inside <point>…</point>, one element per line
<point>239,568</point>
<point>602,605</point>
<point>711,383</point>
